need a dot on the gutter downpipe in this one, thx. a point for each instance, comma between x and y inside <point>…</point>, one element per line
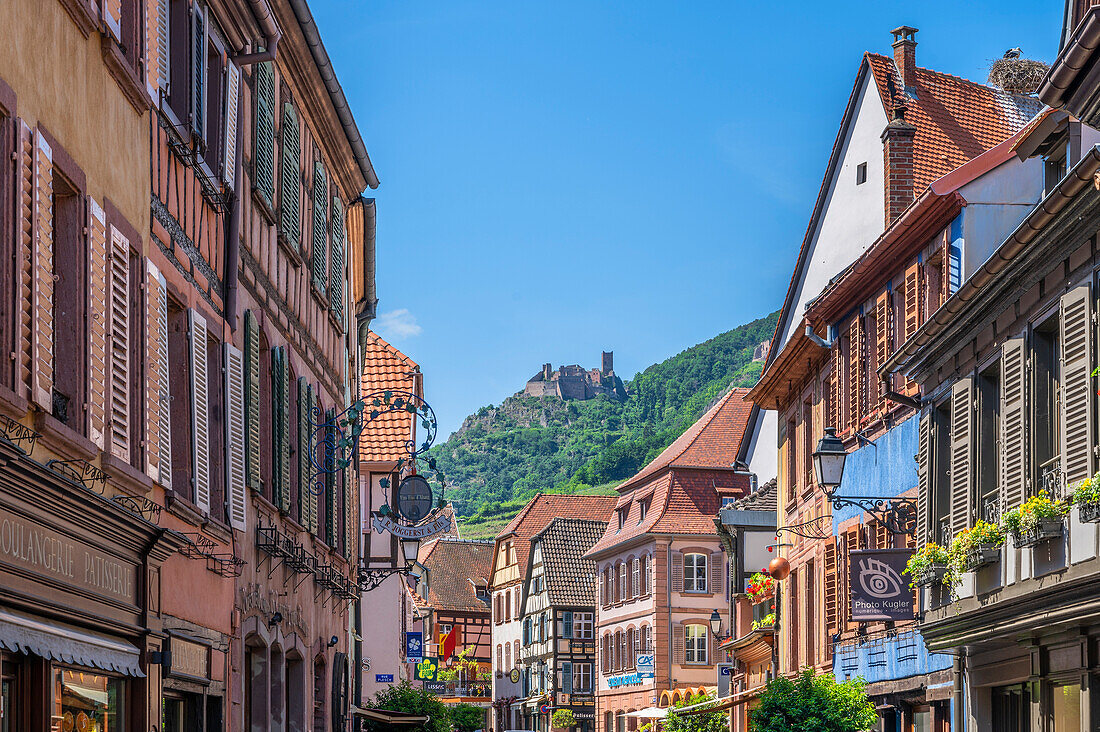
<point>262,10</point>
<point>336,93</point>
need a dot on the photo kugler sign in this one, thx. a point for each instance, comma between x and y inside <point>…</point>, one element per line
<point>879,590</point>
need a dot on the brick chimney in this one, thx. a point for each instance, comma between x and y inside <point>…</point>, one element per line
<point>897,154</point>
<point>905,54</point>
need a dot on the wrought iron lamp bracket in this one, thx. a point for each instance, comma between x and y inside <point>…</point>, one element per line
<point>898,515</point>
<point>370,579</point>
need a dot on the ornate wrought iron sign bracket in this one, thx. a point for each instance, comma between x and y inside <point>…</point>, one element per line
<point>819,529</point>
<point>898,515</point>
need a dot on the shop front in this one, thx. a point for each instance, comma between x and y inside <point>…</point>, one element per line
<point>80,646</point>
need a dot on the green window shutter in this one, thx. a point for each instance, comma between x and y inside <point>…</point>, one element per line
<point>567,624</point>
<point>284,434</point>
<point>277,418</point>
<point>198,72</point>
<point>336,277</point>
<point>290,224</point>
<point>252,399</point>
<point>263,156</point>
<point>330,491</point>
<point>567,677</point>
<point>310,494</point>
<point>349,513</point>
<point>320,228</point>
<point>302,516</point>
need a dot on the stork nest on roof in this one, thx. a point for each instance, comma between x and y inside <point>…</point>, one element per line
<point>1017,75</point>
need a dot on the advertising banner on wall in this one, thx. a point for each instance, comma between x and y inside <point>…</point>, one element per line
<point>879,590</point>
<point>414,647</point>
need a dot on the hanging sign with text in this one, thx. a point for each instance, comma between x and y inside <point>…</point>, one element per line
<point>439,524</point>
<point>879,590</point>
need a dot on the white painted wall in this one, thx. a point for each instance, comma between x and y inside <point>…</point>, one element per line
<point>996,204</point>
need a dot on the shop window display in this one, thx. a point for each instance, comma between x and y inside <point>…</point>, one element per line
<point>88,702</point>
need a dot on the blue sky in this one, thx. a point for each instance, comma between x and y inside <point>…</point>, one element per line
<point>562,178</point>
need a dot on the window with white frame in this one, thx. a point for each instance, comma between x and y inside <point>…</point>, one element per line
<point>636,576</point>
<point>622,582</point>
<point>695,573</point>
<point>582,677</point>
<point>582,626</point>
<point>695,644</point>
<point>646,642</point>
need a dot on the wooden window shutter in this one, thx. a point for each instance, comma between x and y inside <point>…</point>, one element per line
<point>336,278</point>
<point>159,25</point>
<point>263,153</point>
<point>677,572</point>
<point>42,295</point>
<point>284,432</point>
<point>1077,389</point>
<point>278,417</point>
<point>636,577</point>
<point>882,344</point>
<point>198,71</point>
<point>831,586</point>
<point>111,12</point>
<point>25,259</point>
<point>232,99</point>
<point>158,426</point>
<point>320,229</point>
<point>837,383</point>
<point>200,413</point>
<point>962,420</point>
<point>119,330</point>
<point>882,536</point>
<point>304,487</point>
<point>1014,454</point>
<point>252,399</point>
<point>855,371</point>
<point>924,472</point>
<point>350,504</point>
<point>98,322</point>
<point>678,643</point>
<point>716,565</point>
<point>912,300</point>
<point>310,496</point>
<point>331,523</point>
<point>290,222</point>
<point>235,436</point>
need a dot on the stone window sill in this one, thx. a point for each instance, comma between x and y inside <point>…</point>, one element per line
<point>125,476</point>
<point>124,75</point>
<point>12,404</point>
<point>62,439</point>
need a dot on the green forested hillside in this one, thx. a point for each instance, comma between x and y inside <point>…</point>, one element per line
<point>504,454</point>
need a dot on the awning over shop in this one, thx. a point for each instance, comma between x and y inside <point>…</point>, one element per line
<point>21,633</point>
<point>388,717</point>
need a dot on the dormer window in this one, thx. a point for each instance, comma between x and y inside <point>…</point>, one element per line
<point>643,508</point>
<point>621,514</point>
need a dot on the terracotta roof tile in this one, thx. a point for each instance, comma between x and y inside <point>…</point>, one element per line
<point>544,508</point>
<point>956,119</point>
<point>453,567</point>
<point>385,368</point>
<point>681,484</point>
<point>570,578</point>
<point>764,498</point>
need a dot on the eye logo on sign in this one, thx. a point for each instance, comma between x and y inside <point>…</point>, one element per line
<point>879,592</point>
<point>878,580</point>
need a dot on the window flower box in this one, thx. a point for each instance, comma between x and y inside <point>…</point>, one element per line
<point>982,556</point>
<point>976,547</point>
<point>929,565</point>
<point>761,588</point>
<point>1086,496</point>
<point>1044,530</point>
<point>933,574</point>
<point>1090,512</point>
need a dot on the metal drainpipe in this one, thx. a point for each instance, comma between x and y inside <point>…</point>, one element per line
<point>266,17</point>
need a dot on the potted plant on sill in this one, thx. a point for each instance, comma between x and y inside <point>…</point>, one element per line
<point>976,547</point>
<point>765,623</point>
<point>928,566</point>
<point>1086,496</point>
<point>1039,519</point>
<point>761,587</point>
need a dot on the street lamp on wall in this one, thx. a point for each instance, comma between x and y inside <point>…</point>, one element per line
<point>898,515</point>
<point>715,623</point>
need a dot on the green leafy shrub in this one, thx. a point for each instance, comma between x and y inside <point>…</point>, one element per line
<point>1025,518</point>
<point>969,540</point>
<point>1085,491</point>
<point>708,722</point>
<point>563,719</point>
<point>924,559</point>
<point>813,703</point>
<point>405,697</point>
<point>768,621</point>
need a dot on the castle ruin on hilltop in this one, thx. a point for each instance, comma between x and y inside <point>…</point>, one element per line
<point>575,382</point>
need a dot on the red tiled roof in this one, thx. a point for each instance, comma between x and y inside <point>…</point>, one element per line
<point>683,480</point>
<point>385,368</point>
<point>453,569</point>
<point>544,508</point>
<point>956,119</point>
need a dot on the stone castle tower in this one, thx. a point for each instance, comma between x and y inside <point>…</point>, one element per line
<point>575,382</point>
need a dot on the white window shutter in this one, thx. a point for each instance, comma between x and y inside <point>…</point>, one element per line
<point>119,330</point>
<point>234,435</point>
<point>163,48</point>
<point>98,321</point>
<point>232,93</point>
<point>158,436</point>
<point>200,414</point>
<point>42,295</point>
<point>112,17</point>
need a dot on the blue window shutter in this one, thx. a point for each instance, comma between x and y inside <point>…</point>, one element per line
<point>567,677</point>
<point>567,624</point>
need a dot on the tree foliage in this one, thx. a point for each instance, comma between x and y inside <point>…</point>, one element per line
<point>467,717</point>
<point>405,697</point>
<point>813,703</point>
<point>563,719</point>
<point>503,455</point>
<point>707,722</point>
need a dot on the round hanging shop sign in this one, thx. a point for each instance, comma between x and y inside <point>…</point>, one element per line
<point>414,498</point>
<point>514,675</point>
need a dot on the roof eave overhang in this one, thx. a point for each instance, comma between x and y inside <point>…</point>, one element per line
<point>795,362</point>
<point>1070,83</point>
<point>985,290</point>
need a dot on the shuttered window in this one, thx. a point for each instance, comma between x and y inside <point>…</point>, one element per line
<point>307,489</point>
<point>263,153</point>
<point>717,565</point>
<point>882,346</point>
<point>837,383</point>
<point>119,307</point>
<point>677,572</point>
<point>198,71</point>
<point>252,399</point>
<point>200,412</point>
<point>1077,391</point>
<point>320,229</point>
<point>832,588</point>
<point>924,473</point>
<point>36,276</point>
<point>158,423</point>
<point>912,302</point>
<point>331,513</point>
<point>161,43</point>
<point>856,372</point>
<point>678,643</point>
<point>336,277</point>
<point>1013,421</point>
<point>232,99</point>
<point>98,323</point>
<point>235,436</point>
<point>280,378</point>
<point>290,222</point>
<point>962,420</point>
